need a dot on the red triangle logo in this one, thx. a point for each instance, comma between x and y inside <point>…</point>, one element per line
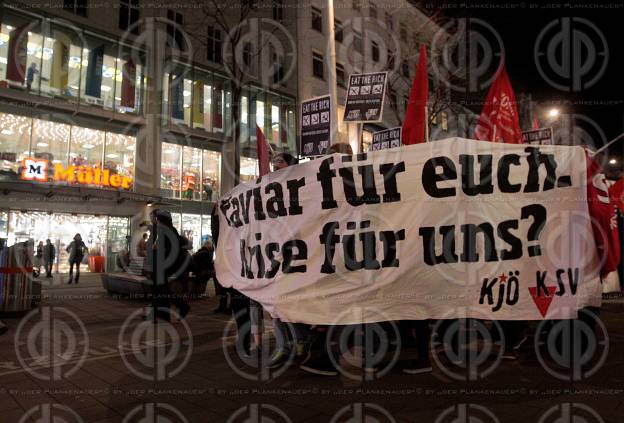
<point>542,302</point>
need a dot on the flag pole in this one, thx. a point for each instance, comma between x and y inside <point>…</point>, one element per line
<point>426,123</point>
<point>608,144</point>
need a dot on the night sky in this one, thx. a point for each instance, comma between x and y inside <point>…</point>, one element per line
<point>520,25</point>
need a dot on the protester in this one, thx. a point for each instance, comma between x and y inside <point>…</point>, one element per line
<point>239,303</point>
<point>167,237</point>
<point>49,254</point>
<point>320,362</point>
<point>76,250</point>
<point>203,263</point>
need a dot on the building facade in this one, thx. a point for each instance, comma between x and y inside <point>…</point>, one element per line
<point>109,109</point>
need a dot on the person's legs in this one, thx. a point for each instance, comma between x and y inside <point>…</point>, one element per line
<point>239,304</point>
<point>256,317</point>
<point>420,330</point>
<point>221,294</point>
<point>71,271</point>
<point>178,300</point>
<point>3,328</point>
<point>281,334</point>
<point>48,269</point>
<point>321,363</point>
<point>77,272</point>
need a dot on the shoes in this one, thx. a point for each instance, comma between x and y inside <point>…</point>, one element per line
<point>302,352</point>
<point>509,355</point>
<point>69,282</point>
<point>418,366</point>
<point>320,365</point>
<point>3,329</point>
<point>184,311</point>
<point>279,358</point>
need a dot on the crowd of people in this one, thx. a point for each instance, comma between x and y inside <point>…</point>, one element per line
<point>315,347</point>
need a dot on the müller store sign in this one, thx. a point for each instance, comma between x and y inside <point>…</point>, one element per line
<point>38,170</point>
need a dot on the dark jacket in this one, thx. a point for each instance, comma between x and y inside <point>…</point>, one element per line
<point>49,252</point>
<point>76,250</point>
<point>203,264</point>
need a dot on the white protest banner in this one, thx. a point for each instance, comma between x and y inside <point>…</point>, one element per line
<point>448,229</point>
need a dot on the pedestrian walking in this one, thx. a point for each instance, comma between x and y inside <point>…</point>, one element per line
<point>38,259</point>
<point>49,254</point>
<point>77,250</point>
<point>142,246</point>
<point>30,75</point>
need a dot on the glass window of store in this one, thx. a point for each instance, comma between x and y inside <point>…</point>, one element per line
<point>50,141</point>
<point>60,228</point>
<point>98,72</point>
<point>129,78</point>
<point>178,100</point>
<point>60,66</point>
<point>202,100</point>
<point>191,229</point>
<point>87,147</point>
<point>274,116</point>
<point>219,118</point>
<point>170,170</point>
<point>119,154</point>
<point>118,230</point>
<point>288,124</point>
<point>191,173</point>
<point>211,177</point>
<point>248,169</point>
<point>14,141</point>
<point>21,45</point>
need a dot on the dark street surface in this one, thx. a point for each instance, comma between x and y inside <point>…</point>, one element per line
<point>105,372</point>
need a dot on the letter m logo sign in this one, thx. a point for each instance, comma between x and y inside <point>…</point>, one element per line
<point>35,170</point>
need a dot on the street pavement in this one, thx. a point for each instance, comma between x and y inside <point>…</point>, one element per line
<point>84,356</point>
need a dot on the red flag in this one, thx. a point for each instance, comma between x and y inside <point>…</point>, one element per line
<point>499,119</point>
<point>415,116</point>
<point>263,152</point>
<point>535,123</point>
<point>616,192</point>
<point>603,218</point>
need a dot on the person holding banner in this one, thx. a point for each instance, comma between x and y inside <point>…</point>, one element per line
<point>321,363</point>
<point>299,330</point>
<point>239,303</point>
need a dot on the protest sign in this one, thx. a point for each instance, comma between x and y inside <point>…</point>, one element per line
<point>388,138</point>
<point>315,126</point>
<point>365,97</point>
<point>448,229</point>
<point>542,136</point>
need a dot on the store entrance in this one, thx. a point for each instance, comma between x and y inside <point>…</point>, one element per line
<point>104,236</point>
